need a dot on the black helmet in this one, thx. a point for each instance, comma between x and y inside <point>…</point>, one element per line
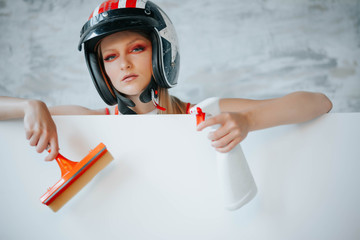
<point>114,16</point>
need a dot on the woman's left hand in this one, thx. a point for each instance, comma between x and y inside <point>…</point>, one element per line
<point>234,128</point>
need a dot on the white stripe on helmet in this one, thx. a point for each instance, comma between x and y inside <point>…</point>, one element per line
<point>122,4</point>
<point>96,11</point>
<point>141,3</point>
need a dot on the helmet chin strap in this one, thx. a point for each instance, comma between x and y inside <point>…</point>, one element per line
<point>149,94</point>
<point>124,103</point>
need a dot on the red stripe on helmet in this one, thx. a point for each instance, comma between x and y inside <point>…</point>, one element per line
<point>91,15</point>
<point>108,5</point>
<point>112,5</point>
<point>130,4</point>
<point>101,8</point>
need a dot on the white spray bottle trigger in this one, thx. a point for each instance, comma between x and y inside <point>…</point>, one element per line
<point>234,174</point>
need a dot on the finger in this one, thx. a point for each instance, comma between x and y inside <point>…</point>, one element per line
<point>54,147</point>
<point>228,147</point>
<point>224,141</point>
<point>208,122</point>
<point>218,134</point>
<point>34,139</point>
<point>42,144</point>
<point>28,134</point>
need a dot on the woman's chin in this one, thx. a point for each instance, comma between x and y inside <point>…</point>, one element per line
<point>131,92</point>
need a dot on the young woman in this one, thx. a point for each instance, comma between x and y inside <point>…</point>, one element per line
<point>131,51</point>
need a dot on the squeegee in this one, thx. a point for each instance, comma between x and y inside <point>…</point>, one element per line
<point>74,176</point>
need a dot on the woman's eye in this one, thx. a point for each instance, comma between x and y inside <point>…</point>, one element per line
<point>110,57</point>
<point>138,49</point>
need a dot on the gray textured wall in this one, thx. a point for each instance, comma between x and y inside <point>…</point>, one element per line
<point>229,48</point>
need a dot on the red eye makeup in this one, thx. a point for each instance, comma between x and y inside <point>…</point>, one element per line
<point>109,57</point>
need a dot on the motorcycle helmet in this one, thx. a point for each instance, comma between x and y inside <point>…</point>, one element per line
<point>138,15</point>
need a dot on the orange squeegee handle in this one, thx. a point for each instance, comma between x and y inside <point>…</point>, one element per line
<point>65,164</point>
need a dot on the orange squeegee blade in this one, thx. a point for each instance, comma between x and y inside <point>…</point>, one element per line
<point>71,176</point>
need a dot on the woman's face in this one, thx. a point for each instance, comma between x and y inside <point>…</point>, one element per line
<point>127,61</point>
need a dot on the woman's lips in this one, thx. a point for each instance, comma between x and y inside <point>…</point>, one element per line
<point>129,77</point>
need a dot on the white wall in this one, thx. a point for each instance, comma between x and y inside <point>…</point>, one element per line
<point>229,48</point>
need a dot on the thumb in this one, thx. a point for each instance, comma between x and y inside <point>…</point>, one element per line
<point>53,150</point>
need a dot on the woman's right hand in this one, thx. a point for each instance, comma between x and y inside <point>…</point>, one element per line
<point>40,128</point>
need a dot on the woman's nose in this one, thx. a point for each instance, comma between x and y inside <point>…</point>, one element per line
<point>125,63</point>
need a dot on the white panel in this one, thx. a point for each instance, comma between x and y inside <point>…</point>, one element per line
<point>162,183</point>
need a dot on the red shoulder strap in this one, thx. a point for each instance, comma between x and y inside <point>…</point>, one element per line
<point>187,108</point>
<point>116,110</point>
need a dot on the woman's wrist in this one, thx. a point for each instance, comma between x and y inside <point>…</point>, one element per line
<point>250,119</point>
<point>36,107</point>
<point>31,104</point>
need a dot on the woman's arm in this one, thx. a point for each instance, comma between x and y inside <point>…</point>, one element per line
<point>292,108</point>
<point>13,108</point>
<point>240,116</point>
<point>39,126</point>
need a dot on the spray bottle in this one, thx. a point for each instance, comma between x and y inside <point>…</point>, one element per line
<point>234,174</point>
